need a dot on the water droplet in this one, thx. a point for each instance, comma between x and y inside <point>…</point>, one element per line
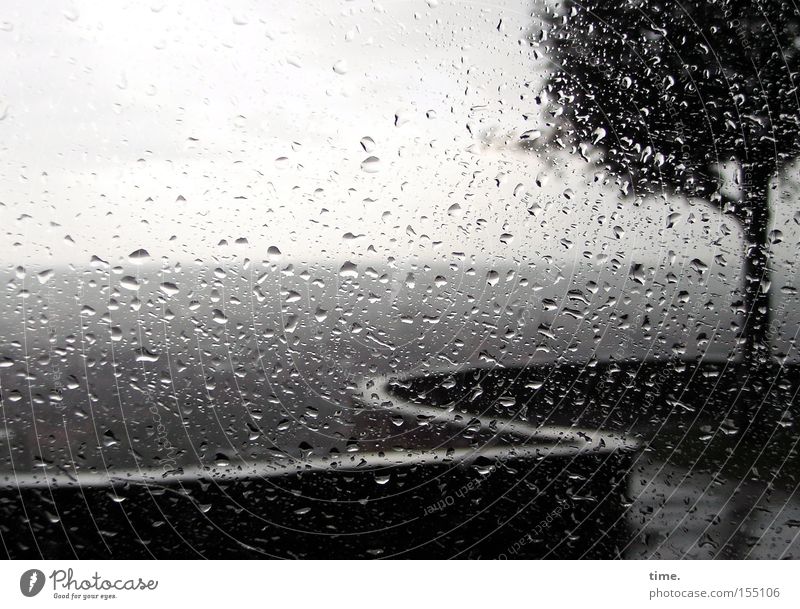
<point>170,289</point>
<point>140,256</point>
<point>129,283</point>
<point>599,134</point>
<point>371,164</point>
<point>775,236</point>
<point>368,144</point>
<point>219,317</point>
<point>454,210</point>
<point>672,219</point>
<point>348,269</point>
<point>147,356</point>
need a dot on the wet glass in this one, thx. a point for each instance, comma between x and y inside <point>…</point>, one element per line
<point>413,279</point>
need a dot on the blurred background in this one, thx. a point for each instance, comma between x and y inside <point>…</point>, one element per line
<point>219,222</point>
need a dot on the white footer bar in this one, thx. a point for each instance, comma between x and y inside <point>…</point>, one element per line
<point>399,585</point>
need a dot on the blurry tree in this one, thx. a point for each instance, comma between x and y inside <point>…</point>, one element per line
<point>668,94</point>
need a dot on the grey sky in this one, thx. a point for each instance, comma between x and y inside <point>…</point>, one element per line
<point>174,126</point>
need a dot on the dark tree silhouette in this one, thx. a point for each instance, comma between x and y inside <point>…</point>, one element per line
<point>669,91</point>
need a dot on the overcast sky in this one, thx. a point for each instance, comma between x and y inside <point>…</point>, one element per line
<point>174,126</point>
<point>208,122</point>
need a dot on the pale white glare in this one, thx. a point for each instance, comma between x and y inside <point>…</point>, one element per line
<point>200,123</point>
